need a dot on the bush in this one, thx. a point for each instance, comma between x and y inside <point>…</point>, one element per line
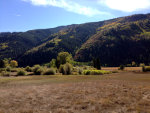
<point>37,69</point>
<point>21,72</point>
<point>146,68</point>
<point>121,67</point>
<point>8,68</point>
<point>2,69</point>
<point>50,71</point>
<point>14,70</point>
<point>68,68</point>
<point>142,64</point>
<point>134,64</point>
<point>62,69</point>
<point>115,71</point>
<point>80,71</point>
<point>28,69</point>
<point>65,69</point>
<point>95,72</point>
<point>5,74</point>
<point>129,65</point>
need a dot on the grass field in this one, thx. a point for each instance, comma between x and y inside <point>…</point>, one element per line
<point>123,92</point>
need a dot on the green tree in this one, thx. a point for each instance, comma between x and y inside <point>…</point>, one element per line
<point>5,62</point>
<point>63,58</point>
<point>96,63</point>
<point>2,64</point>
<point>53,63</point>
<point>13,63</point>
<point>133,64</point>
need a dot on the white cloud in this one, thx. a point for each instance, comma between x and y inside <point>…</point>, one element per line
<point>126,5</point>
<point>69,6</point>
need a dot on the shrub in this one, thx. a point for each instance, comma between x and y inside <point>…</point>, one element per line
<point>68,68</point>
<point>115,71</point>
<point>65,69</point>
<point>62,69</point>
<point>121,67</point>
<point>142,64</point>
<point>129,65</point>
<point>2,69</point>
<point>21,72</point>
<point>14,70</point>
<point>37,69</point>
<point>146,68</point>
<point>133,64</point>
<point>95,72</point>
<point>50,71</point>
<point>80,71</point>
<point>8,68</point>
<point>5,74</point>
<point>28,69</point>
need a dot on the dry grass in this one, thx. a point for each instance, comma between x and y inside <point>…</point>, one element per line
<point>124,92</point>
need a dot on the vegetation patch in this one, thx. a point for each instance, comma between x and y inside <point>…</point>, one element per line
<point>21,73</point>
<point>146,68</point>
<point>50,71</point>
<point>96,72</point>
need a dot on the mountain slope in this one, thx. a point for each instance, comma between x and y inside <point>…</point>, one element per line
<point>69,39</point>
<point>120,43</point>
<point>116,41</point>
<point>15,44</point>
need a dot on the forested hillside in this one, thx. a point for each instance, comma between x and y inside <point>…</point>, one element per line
<point>116,41</point>
<point>119,44</point>
<point>13,45</point>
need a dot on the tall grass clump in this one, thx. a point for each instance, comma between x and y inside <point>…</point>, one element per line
<point>50,71</point>
<point>146,68</point>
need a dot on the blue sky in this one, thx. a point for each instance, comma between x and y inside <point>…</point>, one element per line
<point>23,15</point>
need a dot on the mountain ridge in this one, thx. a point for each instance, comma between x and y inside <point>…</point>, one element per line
<point>40,46</point>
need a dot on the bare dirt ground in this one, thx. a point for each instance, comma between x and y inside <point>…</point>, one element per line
<point>124,92</point>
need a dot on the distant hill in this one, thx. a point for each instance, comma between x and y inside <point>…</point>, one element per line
<point>116,41</point>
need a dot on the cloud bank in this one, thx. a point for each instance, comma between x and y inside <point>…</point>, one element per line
<point>126,5</point>
<point>68,5</point>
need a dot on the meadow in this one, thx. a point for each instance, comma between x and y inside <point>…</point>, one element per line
<point>123,92</point>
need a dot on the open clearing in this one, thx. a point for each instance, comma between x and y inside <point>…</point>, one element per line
<point>124,92</point>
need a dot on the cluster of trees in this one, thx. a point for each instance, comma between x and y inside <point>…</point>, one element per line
<point>8,62</point>
<point>63,63</point>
